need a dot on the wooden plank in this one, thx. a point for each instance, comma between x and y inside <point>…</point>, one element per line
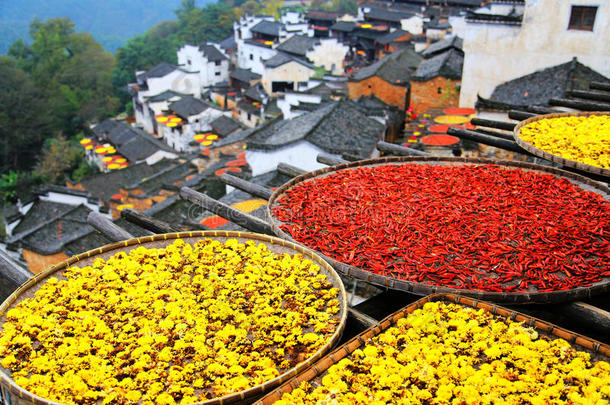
<point>13,271</point>
<point>520,115</point>
<point>599,86</point>
<point>497,134</point>
<point>589,95</point>
<point>487,140</point>
<point>290,170</point>
<point>245,185</point>
<point>350,157</point>
<point>108,228</point>
<point>147,222</point>
<point>225,211</point>
<point>580,105</point>
<point>399,150</point>
<point>507,126</point>
<point>330,160</point>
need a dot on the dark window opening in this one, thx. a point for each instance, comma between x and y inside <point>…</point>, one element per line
<point>217,73</point>
<point>439,90</point>
<point>249,116</point>
<point>251,57</point>
<point>282,87</point>
<point>582,18</point>
<point>217,63</point>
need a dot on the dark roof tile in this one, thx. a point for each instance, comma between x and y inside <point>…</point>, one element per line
<point>267,28</point>
<point>212,53</point>
<point>244,75</point>
<point>381,14</point>
<point>343,26</point>
<point>188,106</point>
<point>448,65</point>
<point>160,70</point>
<point>391,37</point>
<point>298,45</point>
<point>225,126</point>
<point>442,46</point>
<point>165,96</point>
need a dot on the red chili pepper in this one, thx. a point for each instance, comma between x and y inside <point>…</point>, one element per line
<point>478,227</point>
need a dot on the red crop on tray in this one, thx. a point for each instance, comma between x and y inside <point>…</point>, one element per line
<point>480,227</point>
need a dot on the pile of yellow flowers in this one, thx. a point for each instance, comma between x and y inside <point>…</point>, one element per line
<point>179,324</point>
<point>447,353</point>
<point>581,139</point>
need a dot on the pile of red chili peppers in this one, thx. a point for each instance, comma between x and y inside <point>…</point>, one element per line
<point>476,227</point>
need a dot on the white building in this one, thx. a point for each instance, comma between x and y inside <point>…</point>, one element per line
<point>285,73</point>
<point>327,53</point>
<point>207,60</point>
<point>511,39</point>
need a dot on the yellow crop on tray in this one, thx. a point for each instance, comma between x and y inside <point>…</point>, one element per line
<point>581,139</point>
<point>450,354</point>
<point>179,324</point>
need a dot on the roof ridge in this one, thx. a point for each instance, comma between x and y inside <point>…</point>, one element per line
<point>23,234</point>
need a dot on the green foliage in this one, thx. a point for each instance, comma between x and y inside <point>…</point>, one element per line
<point>344,6</point>
<point>60,158</point>
<point>18,185</point>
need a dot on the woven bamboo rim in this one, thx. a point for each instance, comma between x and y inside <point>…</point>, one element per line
<point>573,294</point>
<point>276,245</point>
<point>359,341</point>
<point>556,158</point>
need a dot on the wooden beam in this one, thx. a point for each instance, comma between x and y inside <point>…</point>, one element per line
<point>108,228</point>
<point>362,318</point>
<point>330,160</point>
<point>541,110</point>
<point>245,185</point>
<point>399,150</point>
<point>487,140</point>
<point>227,212</point>
<point>290,170</point>
<point>350,157</point>
<point>520,115</point>
<point>13,271</point>
<point>497,134</point>
<point>599,86</point>
<point>580,105</point>
<point>507,126</point>
<point>589,95</point>
<point>147,222</point>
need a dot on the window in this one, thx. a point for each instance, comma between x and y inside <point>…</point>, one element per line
<point>217,73</point>
<point>249,116</point>
<point>251,57</point>
<point>217,63</point>
<point>582,18</point>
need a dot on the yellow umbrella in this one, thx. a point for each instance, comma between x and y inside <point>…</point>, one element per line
<point>89,147</point>
<point>113,166</point>
<point>172,124</point>
<point>199,136</point>
<point>212,137</point>
<point>106,159</point>
<point>207,143</point>
<point>85,141</point>
<point>162,119</point>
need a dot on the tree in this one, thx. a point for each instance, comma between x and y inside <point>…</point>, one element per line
<point>24,118</point>
<point>59,159</point>
<point>345,6</point>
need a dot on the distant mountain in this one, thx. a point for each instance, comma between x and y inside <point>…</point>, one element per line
<point>111,22</point>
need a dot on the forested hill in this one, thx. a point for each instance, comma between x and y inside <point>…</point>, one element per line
<point>111,22</point>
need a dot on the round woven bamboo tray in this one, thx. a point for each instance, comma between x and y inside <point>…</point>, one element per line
<point>556,158</point>
<point>597,350</point>
<point>20,396</point>
<point>425,289</point>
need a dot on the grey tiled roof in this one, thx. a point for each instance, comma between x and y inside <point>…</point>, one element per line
<point>343,26</point>
<point>188,106</point>
<point>104,185</point>
<point>442,46</point>
<point>377,13</point>
<point>244,75</point>
<point>166,177</point>
<point>160,70</point>
<point>165,96</point>
<point>40,212</point>
<point>234,138</point>
<point>395,68</point>
<point>438,25</point>
<point>282,58</point>
<point>212,53</point>
<point>336,127</point>
<point>539,87</point>
<point>321,15</point>
<point>447,64</point>
<point>298,45</point>
<point>228,43</point>
<point>224,125</point>
<point>256,93</point>
<point>267,28</point>
<point>391,37</point>
<point>248,107</point>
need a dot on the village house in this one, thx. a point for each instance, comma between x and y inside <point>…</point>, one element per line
<point>285,72</point>
<point>437,78</point>
<point>154,106</point>
<point>321,21</point>
<point>510,39</point>
<point>133,144</point>
<point>228,46</point>
<point>389,79</point>
<point>335,128</point>
<point>207,60</point>
<point>196,116</point>
<point>249,109</point>
<point>157,80</point>
<point>243,79</point>
<point>327,53</point>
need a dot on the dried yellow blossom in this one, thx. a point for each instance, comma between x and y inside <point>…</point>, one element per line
<point>581,139</point>
<point>450,354</point>
<point>181,324</point>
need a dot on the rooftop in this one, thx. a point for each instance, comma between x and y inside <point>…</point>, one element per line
<point>212,53</point>
<point>442,46</point>
<point>244,75</point>
<point>282,58</point>
<point>189,106</point>
<point>225,126</point>
<point>298,45</point>
<point>395,68</point>
<point>447,64</point>
<point>271,28</point>
<point>160,70</point>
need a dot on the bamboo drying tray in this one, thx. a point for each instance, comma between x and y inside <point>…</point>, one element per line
<point>556,158</point>
<point>598,350</point>
<point>20,396</point>
<point>425,289</point>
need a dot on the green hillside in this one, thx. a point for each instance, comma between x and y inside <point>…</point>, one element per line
<point>111,22</point>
